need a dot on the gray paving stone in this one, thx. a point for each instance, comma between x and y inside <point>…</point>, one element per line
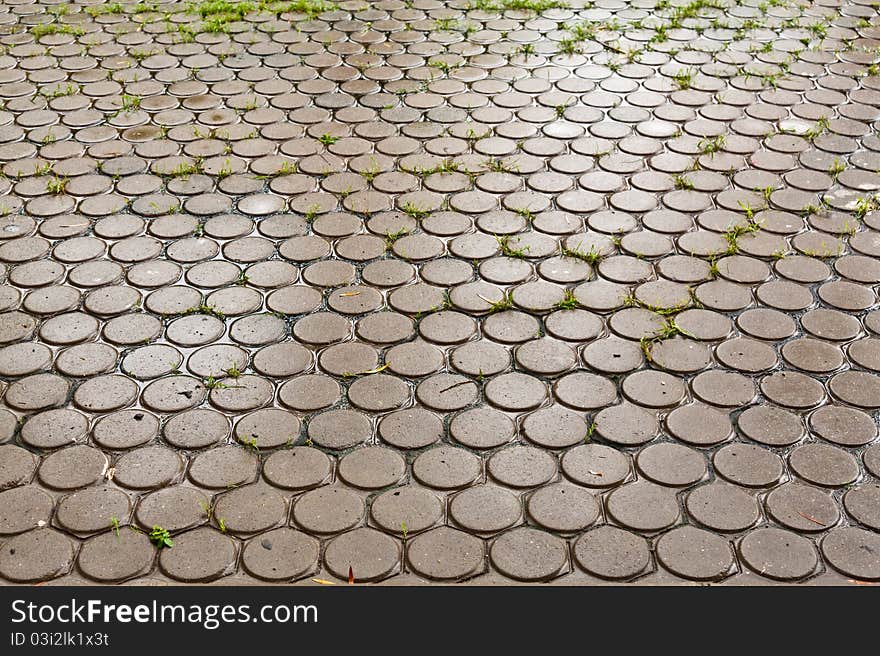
<point>612,553</point>
<point>280,555</point>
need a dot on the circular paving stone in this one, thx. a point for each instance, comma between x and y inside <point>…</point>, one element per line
<point>746,355</point>
<point>864,353</point>
<point>527,554</point>
<point>24,508</point>
<point>130,329</point>
<point>309,392</point>
<point>596,465</point>
<point>85,360</point>
<point>174,394</point>
<point>612,553</point>
<point>447,468</point>
<point>770,425</point>
<point>445,554</point>
<point>281,555</point>
<point>573,325</point>
<point>863,505</point>
<point>704,324</point>
<point>148,468</point>
<point>54,428</point>
<point>653,389</point>
<point>555,427</point>
<point>515,392</point>
<point>339,429</point>
<point>510,327</point>
<point>224,466</point>
<point>643,506</point>
<point>196,429</point>
<point>672,465</point>
<point>723,388</point>
<point>348,358</point>
<point>113,557</point>
<point>328,510</point>
<point>299,468</point>
<point>699,425</point>
<point>199,555</point>
<point>93,509</point>
<point>545,357</point>
<point>480,356</point>
<point>411,428</point>
<point>37,392</point>
<point>802,508</point>
<point>410,509</point>
<point>17,466</point>
<point>372,467</point>
<point>482,428</point>
<point>250,509</point>
<point>522,466</point>
<point>15,326</point>
<point>105,393</point>
<point>626,424</point>
<point>613,356</point>
<point>8,425</point>
<point>722,507</point>
<point>151,361</point>
<point>321,328</point>
<point>368,554</point>
<point>842,425</point>
<point>37,555</point>
<point>695,554</point>
<point>73,467</point>
<point>791,389</point>
<point>583,391</point>
<point>447,327</point>
<point>871,458</point>
<point>281,360</point>
<point>173,508</point>
<point>830,324</point>
<point>378,392</point>
<point>680,356</point>
<point>413,359</point>
<point>125,429</point>
<point>563,508</point>
<point>854,552</point>
<point>749,465</point>
<point>25,358</point>
<point>824,465</point>
<point>812,355</point>
<point>242,393</point>
<point>765,323</point>
<point>447,392</point>
<point>779,554</point>
<point>485,509</point>
<point>268,428</point>
<point>853,387</point>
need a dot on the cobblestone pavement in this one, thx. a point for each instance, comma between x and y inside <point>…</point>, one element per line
<point>433,292</point>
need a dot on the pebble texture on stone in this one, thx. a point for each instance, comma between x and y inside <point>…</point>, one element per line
<point>440,290</point>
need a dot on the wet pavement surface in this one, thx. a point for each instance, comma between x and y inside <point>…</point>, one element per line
<point>424,291</point>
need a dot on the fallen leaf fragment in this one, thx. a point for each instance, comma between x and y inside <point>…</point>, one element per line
<point>323,581</point>
<point>812,519</point>
<point>374,371</point>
